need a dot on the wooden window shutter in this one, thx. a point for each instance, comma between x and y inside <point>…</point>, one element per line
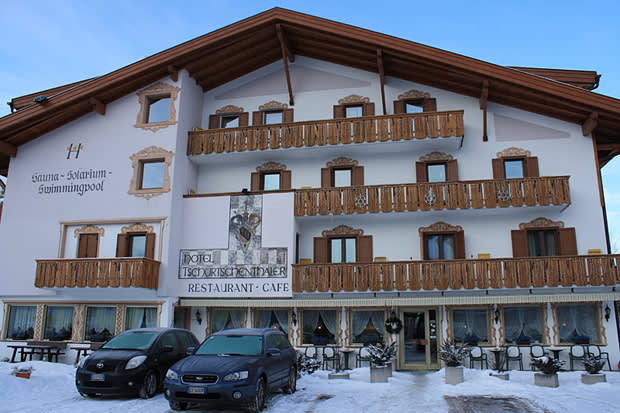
<point>287,115</point>
<point>339,111</point>
<point>122,245</point>
<point>214,122</point>
<point>420,172</point>
<point>530,168</point>
<point>321,250</point>
<point>92,244</point>
<point>567,241</point>
<point>326,177</point>
<point>149,250</point>
<point>82,251</point>
<point>430,105</point>
<point>255,182</point>
<point>285,180</point>
<point>400,106</point>
<point>257,118</point>
<point>244,118</point>
<point>452,170</point>
<point>498,168</point>
<point>357,176</point>
<point>364,248</point>
<point>459,245</point>
<point>519,243</point>
<point>368,109</point>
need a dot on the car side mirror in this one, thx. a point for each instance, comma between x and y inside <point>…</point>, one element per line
<point>273,352</point>
<point>167,349</point>
<point>190,350</point>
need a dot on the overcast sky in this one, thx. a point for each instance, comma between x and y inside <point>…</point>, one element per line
<point>50,43</point>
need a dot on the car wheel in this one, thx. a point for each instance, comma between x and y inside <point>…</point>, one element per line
<point>291,385</point>
<point>149,385</point>
<point>259,399</point>
<point>178,405</point>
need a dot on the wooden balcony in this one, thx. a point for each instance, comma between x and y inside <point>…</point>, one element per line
<point>573,271</point>
<point>436,196</point>
<point>418,126</point>
<point>97,272</point>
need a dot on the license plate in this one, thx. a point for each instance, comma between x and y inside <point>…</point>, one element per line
<point>197,390</point>
<point>97,377</point>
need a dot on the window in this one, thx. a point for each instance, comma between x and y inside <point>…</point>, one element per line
<point>436,172</point>
<point>135,244</point>
<point>100,323</point>
<point>272,113</point>
<point>578,323</point>
<point>342,172</point>
<point>415,101</point>
<point>58,323</point>
<point>414,106</point>
<point>353,111</point>
<point>273,117</point>
<point>343,250</point>
<point>21,322</point>
<point>88,244</point>
<point>470,326</point>
<point>270,176</point>
<point>151,175</point>
<point>514,163</point>
<point>368,327</point>
<point>157,107</point>
<point>229,121</point>
<point>523,325</point>
<point>354,106</point>
<point>181,317</point>
<point>542,243</point>
<point>140,317</point>
<point>441,241</point>
<point>229,117</point>
<point>542,237</point>
<point>320,327</point>
<point>224,319</point>
<point>272,319</point>
<point>513,168</point>
<point>436,167</point>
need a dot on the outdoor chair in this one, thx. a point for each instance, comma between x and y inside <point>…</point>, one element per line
<point>595,351</point>
<point>311,353</point>
<point>477,355</point>
<point>362,356</point>
<point>331,356</point>
<point>513,353</point>
<point>536,351</point>
<point>577,352</point>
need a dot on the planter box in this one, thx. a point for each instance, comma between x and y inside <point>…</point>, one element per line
<point>339,375</point>
<point>501,376</point>
<point>546,380</point>
<point>380,374</point>
<point>454,375</point>
<point>593,378</point>
<point>23,375</point>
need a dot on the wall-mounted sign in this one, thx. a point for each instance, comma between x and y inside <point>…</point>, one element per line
<point>245,268</point>
<point>77,181</point>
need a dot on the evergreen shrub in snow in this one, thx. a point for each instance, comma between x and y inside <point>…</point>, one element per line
<point>452,354</point>
<point>382,355</point>
<point>307,365</point>
<point>593,364</point>
<point>547,365</point>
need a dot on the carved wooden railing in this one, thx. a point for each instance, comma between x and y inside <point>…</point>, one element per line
<point>98,272</point>
<point>428,125</point>
<point>568,271</point>
<point>436,196</point>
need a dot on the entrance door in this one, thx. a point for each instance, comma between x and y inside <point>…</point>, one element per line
<point>418,339</point>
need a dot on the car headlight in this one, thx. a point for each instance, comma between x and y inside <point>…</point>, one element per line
<point>135,362</point>
<point>172,375</point>
<point>82,362</point>
<point>236,376</point>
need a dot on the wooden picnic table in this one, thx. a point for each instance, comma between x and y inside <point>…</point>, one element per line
<point>50,350</point>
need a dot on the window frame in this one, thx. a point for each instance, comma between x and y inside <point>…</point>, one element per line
<point>442,228</point>
<point>141,165</point>
<point>301,326</point>
<point>351,335</point>
<point>601,339</point>
<point>85,328</point>
<point>343,249</point>
<point>212,310</point>
<point>7,320</point>
<point>542,239</point>
<point>289,312</point>
<point>342,163</point>
<point>436,158</point>
<point>490,336</point>
<point>158,90</point>
<point>257,179</point>
<point>216,119</point>
<point>147,155</point>
<point>529,163</point>
<point>543,325</point>
<point>415,98</point>
<point>46,315</point>
<point>363,244</point>
<point>425,237</point>
<point>566,239</point>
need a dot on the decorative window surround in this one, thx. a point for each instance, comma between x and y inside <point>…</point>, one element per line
<point>541,222</point>
<point>272,105</point>
<point>513,152</point>
<point>353,100</point>
<point>440,227</point>
<point>148,229</point>
<point>229,109</point>
<point>341,230</point>
<point>414,94</point>
<point>150,153</point>
<point>89,229</point>
<point>436,157</point>
<point>157,90</point>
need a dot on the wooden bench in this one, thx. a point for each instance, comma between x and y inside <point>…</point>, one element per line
<point>49,349</point>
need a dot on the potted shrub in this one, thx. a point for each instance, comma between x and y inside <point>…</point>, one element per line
<point>381,357</point>
<point>453,356</point>
<point>593,367</point>
<point>549,368</point>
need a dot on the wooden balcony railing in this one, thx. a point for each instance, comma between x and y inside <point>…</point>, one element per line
<point>98,272</point>
<point>436,196</point>
<point>428,125</point>
<point>591,270</point>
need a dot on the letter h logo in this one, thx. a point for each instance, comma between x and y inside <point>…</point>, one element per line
<point>74,149</point>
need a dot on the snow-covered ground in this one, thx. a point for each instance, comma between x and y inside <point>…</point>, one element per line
<point>51,389</point>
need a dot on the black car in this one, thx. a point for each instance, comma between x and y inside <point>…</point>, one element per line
<point>133,362</point>
<point>233,369</point>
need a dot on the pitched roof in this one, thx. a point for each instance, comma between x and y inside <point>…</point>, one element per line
<point>254,42</point>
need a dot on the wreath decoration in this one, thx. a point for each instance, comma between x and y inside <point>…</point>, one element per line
<point>393,324</point>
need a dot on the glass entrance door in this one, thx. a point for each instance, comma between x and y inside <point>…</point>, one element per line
<point>418,339</point>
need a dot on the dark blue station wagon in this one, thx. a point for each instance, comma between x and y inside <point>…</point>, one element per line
<point>234,369</point>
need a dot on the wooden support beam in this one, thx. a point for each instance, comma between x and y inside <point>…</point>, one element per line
<point>484,95</point>
<point>284,43</point>
<point>285,52</point>
<point>590,124</point>
<point>98,106</point>
<point>381,77</point>
<point>174,73</point>
<point>8,149</point>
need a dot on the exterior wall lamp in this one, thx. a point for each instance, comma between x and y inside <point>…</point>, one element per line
<point>198,317</point>
<point>607,312</point>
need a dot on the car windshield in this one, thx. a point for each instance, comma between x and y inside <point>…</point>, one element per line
<point>138,340</point>
<point>232,345</point>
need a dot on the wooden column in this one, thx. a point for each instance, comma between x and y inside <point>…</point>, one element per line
<point>286,52</point>
<point>381,78</point>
